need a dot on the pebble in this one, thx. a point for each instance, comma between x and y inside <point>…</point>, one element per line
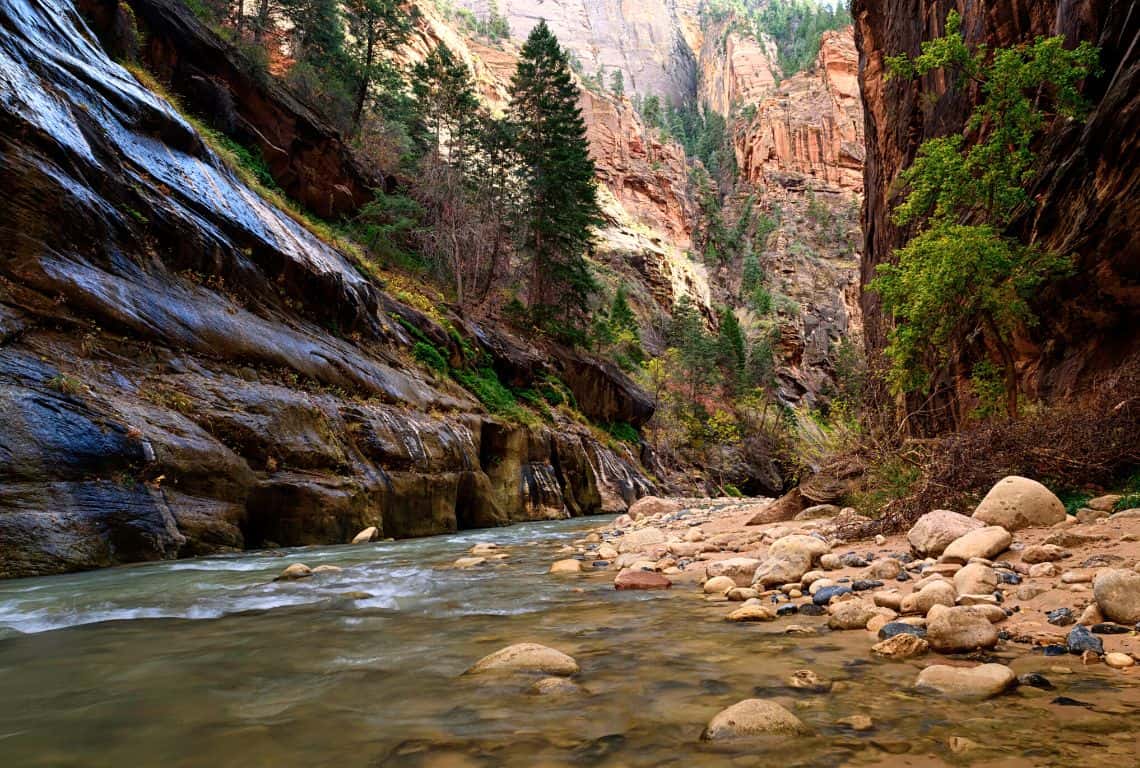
<point>1119,660</point>
<point>805,679</point>
<point>811,609</point>
<point>1061,617</point>
<point>857,722</point>
<point>1035,680</point>
<point>862,585</point>
<point>1081,640</point>
<point>1108,628</point>
<point>823,596</point>
<point>752,613</point>
<point>469,562</point>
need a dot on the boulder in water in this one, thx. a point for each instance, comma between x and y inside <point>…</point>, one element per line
<point>526,658</point>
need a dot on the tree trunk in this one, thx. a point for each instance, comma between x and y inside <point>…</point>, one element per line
<point>365,77</point>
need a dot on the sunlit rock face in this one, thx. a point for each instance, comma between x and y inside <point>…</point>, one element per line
<point>651,42</point>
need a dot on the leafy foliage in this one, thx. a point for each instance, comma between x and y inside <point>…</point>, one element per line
<point>954,281</point>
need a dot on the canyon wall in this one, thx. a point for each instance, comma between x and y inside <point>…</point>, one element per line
<point>1087,189</point>
<point>188,369</point>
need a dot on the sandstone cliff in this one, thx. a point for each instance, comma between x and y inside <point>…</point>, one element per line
<point>187,369</point>
<point>799,151</point>
<point>1087,196</point>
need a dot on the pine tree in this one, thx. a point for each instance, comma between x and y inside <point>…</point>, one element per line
<point>375,28</point>
<point>731,347</point>
<point>621,316</point>
<point>446,104</point>
<point>561,202</point>
<point>617,83</point>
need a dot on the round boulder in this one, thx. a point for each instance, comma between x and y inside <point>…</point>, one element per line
<point>958,630</point>
<point>934,531</point>
<point>753,717</point>
<point>526,658</point>
<point>640,540</point>
<point>1117,592</point>
<point>739,569</point>
<point>648,506</point>
<point>1018,502</point>
<point>295,571</point>
<point>718,585</point>
<point>783,569</point>
<point>371,533</point>
<point>631,578</point>
<point>801,544</point>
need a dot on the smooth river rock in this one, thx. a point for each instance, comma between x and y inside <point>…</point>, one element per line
<point>934,531</point>
<point>798,543</point>
<point>1018,502</point>
<point>1117,592</point>
<point>986,543</point>
<point>526,657</point>
<point>739,569</point>
<point>902,646</point>
<point>648,506</point>
<point>980,682</point>
<point>781,569</point>
<point>295,571</point>
<point>753,717</point>
<point>640,540</point>
<point>718,585</point>
<point>637,579</point>
<point>369,534</point>
<point>566,566</point>
<point>960,629</point>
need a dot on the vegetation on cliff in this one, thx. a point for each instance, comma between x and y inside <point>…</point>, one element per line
<point>960,278</point>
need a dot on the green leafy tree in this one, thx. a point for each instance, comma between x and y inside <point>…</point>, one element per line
<point>696,347</point>
<point>956,281</point>
<point>561,206</point>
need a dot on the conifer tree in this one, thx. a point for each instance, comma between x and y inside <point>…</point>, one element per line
<point>731,347</point>
<point>446,103</point>
<point>377,27</point>
<point>561,201</point>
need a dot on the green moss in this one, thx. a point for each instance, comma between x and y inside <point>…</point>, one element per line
<point>620,430</point>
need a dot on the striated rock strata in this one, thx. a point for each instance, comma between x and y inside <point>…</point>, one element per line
<point>186,369</point>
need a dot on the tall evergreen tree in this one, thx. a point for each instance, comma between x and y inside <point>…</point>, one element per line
<point>377,27</point>
<point>731,348</point>
<point>562,205</point>
<point>446,104</point>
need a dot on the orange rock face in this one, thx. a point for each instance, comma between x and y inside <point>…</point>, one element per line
<point>812,125</point>
<point>646,175</point>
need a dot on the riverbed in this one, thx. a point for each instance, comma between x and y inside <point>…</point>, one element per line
<point>209,662</point>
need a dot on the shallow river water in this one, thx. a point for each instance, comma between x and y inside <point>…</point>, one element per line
<point>209,663</point>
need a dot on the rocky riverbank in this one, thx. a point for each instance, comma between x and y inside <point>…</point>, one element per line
<point>959,597</point>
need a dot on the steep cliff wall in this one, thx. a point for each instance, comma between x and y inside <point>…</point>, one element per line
<point>648,41</point>
<point>799,151</point>
<point>186,369</point>
<point>1087,192</point>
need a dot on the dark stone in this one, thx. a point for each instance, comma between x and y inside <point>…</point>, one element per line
<point>601,564</point>
<point>1108,628</point>
<point>823,596</point>
<point>1061,617</point>
<point>862,585</point>
<point>892,628</point>
<point>787,610</point>
<point>904,576</point>
<point>1065,701</point>
<point>1081,640</point>
<point>851,560</point>
<point>1035,680</point>
<point>1055,650</point>
<point>1008,577</point>
<point>811,609</point>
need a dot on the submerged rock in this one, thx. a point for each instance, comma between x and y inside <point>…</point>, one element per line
<point>526,658</point>
<point>967,682</point>
<point>901,646</point>
<point>637,579</point>
<point>295,571</point>
<point>753,717</point>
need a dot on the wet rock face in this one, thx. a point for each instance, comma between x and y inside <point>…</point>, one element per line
<point>304,153</point>
<point>186,370</point>
<point>1086,196</point>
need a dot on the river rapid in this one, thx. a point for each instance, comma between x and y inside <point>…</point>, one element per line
<point>209,662</point>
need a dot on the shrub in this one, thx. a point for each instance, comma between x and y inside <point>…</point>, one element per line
<point>427,354</point>
<point>620,430</point>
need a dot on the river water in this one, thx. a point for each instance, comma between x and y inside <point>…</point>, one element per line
<point>209,663</point>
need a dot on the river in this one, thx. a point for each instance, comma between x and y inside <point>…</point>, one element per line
<point>209,662</point>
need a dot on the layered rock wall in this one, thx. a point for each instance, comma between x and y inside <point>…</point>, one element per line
<point>189,370</point>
